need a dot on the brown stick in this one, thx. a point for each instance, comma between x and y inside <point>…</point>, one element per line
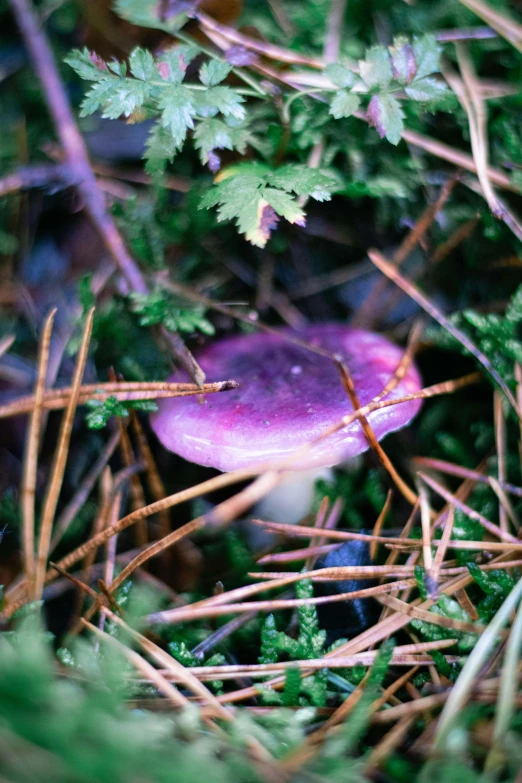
<point>29,177</point>
<point>80,167</point>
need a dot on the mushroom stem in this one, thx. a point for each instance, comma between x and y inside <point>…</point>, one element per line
<point>289,502</point>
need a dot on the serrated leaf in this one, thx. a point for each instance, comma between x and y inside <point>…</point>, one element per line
<point>95,97</point>
<point>404,65</point>
<point>87,65</point>
<point>385,114</point>
<point>141,64</point>
<point>178,111</point>
<point>376,69</point>
<point>302,181</point>
<point>425,89</point>
<point>172,65</point>
<point>339,75</point>
<point>127,96</point>
<point>256,197</point>
<point>213,72</point>
<point>344,104</point>
<point>145,14</point>
<point>221,99</point>
<point>161,148</point>
<point>213,134</point>
<point>117,68</point>
<point>427,55</point>
<point>285,205</point>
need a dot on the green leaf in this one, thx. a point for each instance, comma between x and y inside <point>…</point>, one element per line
<point>178,111</point>
<point>160,308</point>
<point>339,75</point>
<point>172,65</point>
<point>425,89</point>
<point>302,180</point>
<point>344,104</point>
<point>161,149</point>
<point>222,99</point>
<point>284,204</point>
<point>385,114</point>
<point>127,96</point>
<point>213,134</point>
<point>96,97</point>
<point>86,64</point>
<point>101,411</point>
<point>255,197</point>
<point>141,64</point>
<point>144,13</point>
<point>427,55</point>
<point>376,69</point>
<point>269,634</point>
<point>213,72</point>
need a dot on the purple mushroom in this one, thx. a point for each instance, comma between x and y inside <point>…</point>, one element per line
<point>288,396</point>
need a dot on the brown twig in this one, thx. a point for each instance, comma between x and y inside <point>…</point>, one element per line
<point>390,271</point>
<point>78,164</point>
<point>60,457</point>
<point>73,507</point>
<point>50,176</point>
<point>31,456</point>
<point>268,50</point>
<point>54,399</point>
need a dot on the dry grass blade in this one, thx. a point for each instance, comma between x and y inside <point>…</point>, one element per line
<point>441,554</point>
<point>467,473</point>
<point>136,488</point>
<point>385,748</point>
<point>503,25</point>
<point>426,532</point>
<point>402,656</point>
<point>54,399</point>
<point>377,633</point>
<point>468,93</point>
<point>60,457</point>
<point>373,305</point>
<point>477,658</point>
<point>470,512</point>
<point>370,436</point>
<point>71,510</point>
<point>430,617</point>
<point>374,546</point>
<point>264,48</point>
<point>155,483</point>
<point>500,439</point>
<point>172,665</point>
<point>144,667</point>
<point>206,609</point>
<point>507,694</point>
<point>31,456</point>
<point>454,240</point>
<point>392,542</point>
<point>390,271</point>
<point>6,342</point>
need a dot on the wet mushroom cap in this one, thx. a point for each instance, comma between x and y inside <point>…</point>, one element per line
<point>288,396</point>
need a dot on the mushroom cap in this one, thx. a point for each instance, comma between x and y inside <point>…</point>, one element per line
<point>287,396</point>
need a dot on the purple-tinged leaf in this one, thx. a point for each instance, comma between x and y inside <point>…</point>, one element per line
<point>404,65</point>
<point>385,115</point>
